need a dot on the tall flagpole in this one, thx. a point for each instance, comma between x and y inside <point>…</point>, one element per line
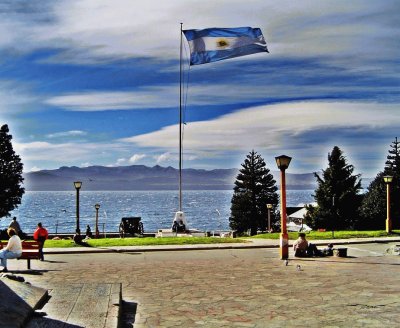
<point>180,124</point>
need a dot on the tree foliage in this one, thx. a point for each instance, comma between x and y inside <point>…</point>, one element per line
<point>373,208</point>
<point>255,187</point>
<point>11,178</point>
<point>337,195</point>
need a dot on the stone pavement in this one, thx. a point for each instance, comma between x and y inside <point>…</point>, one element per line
<point>229,287</point>
<point>90,305</point>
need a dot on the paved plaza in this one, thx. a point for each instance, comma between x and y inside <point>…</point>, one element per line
<point>248,287</point>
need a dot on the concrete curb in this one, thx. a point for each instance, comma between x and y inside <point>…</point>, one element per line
<point>19,301</point>
<point>255,243</point>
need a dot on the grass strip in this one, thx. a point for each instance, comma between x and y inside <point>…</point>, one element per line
<point>328,235</point>
<point>151,241</point>
<point>146,241</point>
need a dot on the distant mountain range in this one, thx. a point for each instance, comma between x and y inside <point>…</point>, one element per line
<point>140,177</point>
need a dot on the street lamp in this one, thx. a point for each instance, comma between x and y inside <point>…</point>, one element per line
<point>388,180</point>
<point>97,206</point>
<point>269,207</point>
<point>78,185</point>
<point>283,162</point>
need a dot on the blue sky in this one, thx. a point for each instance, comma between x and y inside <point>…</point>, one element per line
<point>97,83</point>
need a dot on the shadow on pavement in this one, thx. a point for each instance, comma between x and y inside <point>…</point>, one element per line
<point>343,262</point>
<point>28,271</point>
<point>42,322</point>
<point>128,314</point>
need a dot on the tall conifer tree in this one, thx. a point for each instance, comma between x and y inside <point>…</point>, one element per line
<point>11,178</point>
<point>337,195</point>
<point>255,187</point>
<point>373,208</point>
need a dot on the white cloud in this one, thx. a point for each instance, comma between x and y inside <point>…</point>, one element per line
<point>98,101</point>
<point>72,133</point>
<point>121,161</point>
<point>274,128</point>
<point>95,30</point>
<point>15,97</point>
<point>68,153</point>
<point>165,157</point>
<point>267,125</point>
<point>136,158</point>
<point>34,169</point>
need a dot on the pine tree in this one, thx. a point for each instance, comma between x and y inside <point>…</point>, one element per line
<point>373,208</point>
<point>255,187</point>
<point>337,195</point>
<point>10,175</point>
<point>393,159</point>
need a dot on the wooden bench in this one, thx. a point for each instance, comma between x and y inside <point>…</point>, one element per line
<point>30,250</point>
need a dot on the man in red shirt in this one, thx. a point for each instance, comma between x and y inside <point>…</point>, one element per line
<point>40,235</point>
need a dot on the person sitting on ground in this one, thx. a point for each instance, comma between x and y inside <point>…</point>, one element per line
<point>300,245</point>
<point>88,232</point>
<point>40,235</point>
<point>328,251</point>
<point>13,249</point>
<point>178,226</point>
<point>15,225</point>
<point>302,248</point>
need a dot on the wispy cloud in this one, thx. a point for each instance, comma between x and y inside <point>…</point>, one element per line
<point>16,97</point>
<point>165,157</point>
<point>150,97</point>
<point>97,30</point>
<point>278,127</point>
<point>266,125</point>
<point>68,153</point>
<point>73,133</point>
<point>331,77</point>
<point>136,158</point>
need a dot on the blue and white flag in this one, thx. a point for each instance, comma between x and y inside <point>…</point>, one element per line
<point>213,44</point>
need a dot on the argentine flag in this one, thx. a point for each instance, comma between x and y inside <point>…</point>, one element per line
<point>213,44</point>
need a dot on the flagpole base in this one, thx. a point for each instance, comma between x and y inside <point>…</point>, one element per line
<point>284,246</point>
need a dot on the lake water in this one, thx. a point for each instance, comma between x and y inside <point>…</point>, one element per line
<point>204,210</point>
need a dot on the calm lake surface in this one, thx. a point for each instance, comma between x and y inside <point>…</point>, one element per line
<point>204,210</point>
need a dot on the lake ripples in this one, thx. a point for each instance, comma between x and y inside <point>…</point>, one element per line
<point>204,210</point>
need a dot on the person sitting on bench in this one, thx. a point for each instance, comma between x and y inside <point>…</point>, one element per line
<point>13,249</point>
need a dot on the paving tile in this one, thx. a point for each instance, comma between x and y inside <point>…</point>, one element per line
<point>236,288</point>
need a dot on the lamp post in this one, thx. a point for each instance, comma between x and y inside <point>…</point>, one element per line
<point>97,206</point>
<point>388,180</point>
<point>283,162</point>
<point>269,206</point>
<point>78,185</point>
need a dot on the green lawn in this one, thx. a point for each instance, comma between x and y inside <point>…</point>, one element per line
<point>150,241</point>
<point>147,241</point>
<point>336,235</point>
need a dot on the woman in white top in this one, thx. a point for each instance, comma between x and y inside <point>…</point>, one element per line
<point>13,249</point>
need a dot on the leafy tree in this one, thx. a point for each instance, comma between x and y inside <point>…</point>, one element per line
<point>255,187</point>
<point>337,195</point>
<point>10,175</point>
<point>373,207</point>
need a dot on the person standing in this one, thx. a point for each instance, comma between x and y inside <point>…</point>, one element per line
<point>40,235</point>
<point>13,249</point>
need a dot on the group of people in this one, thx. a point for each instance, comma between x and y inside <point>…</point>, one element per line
<point>302,248</point>
<point>13,249</point>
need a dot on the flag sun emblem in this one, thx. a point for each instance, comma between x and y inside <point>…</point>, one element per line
<point>222,43</point>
